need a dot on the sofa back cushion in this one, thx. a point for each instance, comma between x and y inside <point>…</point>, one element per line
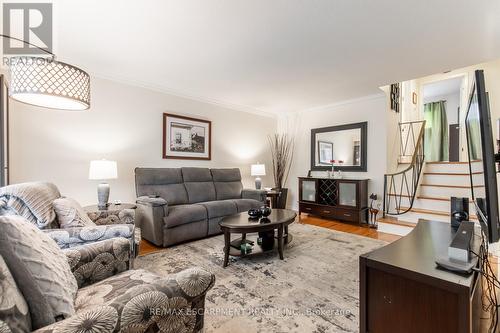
<point>14,311</point>
<point>40,269</point>
<point>165,182</point>
<point>227,183</point>
<point>33,201</point>
<point>199,184</point>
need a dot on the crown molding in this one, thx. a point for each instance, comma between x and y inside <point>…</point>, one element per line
<point>228,105</point>
<point>343,103</point>
<point>186,95</point>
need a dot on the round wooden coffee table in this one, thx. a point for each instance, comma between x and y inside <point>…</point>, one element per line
<point>242,224</point>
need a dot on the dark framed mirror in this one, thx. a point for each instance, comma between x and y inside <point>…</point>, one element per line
<point>344,144</point>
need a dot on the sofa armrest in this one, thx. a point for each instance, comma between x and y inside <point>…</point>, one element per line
<point>149,217</point>
<point>151,201</point>
<point>97,261</point>
<point>172,304</point>
<point>76,236</point>
<point>259,195</point>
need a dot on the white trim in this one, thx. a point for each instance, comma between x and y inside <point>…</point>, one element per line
<point>187,95</point>
<point>346,102</point>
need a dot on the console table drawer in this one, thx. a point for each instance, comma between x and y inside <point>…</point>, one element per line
<point>310,209</point>
<point>346,215</point>
<point>318,210</point>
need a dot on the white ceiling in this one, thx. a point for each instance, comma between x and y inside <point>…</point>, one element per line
<point>274,55</point>
<point>443,88</point>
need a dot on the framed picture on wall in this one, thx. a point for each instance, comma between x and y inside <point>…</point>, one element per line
<point>4,132</point>
<point>325,152</point>
<point>186,137</point>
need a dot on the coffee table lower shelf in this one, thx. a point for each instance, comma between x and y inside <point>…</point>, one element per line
<point>257,249</point>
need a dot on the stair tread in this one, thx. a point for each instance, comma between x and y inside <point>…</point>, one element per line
<point>433,212</point>
<point>451,173</point>
<point>395,221</point>
<point>447,162</point>
<point>451,186</point>
<point>425,197</point>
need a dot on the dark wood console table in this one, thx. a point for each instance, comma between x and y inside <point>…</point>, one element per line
<point>339,199</point>
<point>402,290</point>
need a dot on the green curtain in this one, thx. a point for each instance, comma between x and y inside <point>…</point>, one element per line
<point>436,146</point>
<point>475,139</point>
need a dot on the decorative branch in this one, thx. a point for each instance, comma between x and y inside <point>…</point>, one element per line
<point>282,154</point>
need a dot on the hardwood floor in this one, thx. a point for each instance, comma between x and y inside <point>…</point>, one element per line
<point>349,228</point>
<point>147,247</point>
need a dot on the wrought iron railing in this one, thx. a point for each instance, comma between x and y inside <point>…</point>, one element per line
<point>400,188</point>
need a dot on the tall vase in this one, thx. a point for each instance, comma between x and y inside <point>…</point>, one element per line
<point>283,194</point>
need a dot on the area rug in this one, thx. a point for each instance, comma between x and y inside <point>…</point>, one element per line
<point>314,289</point>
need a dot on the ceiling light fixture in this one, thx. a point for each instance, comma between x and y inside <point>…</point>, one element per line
<point>48,83</point>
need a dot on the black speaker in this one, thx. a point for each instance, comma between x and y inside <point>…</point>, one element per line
<point>459,211</point>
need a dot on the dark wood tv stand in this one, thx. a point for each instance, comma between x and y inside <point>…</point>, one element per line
<point>402,290</point>
<point>339,199</point>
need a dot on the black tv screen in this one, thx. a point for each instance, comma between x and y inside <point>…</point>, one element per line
<point>482,159</point>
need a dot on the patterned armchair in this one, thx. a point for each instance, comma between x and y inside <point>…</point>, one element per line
<point>112,298</point>
<point>34,201</point>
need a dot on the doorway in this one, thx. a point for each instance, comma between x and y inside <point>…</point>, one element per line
<point>441,110</point>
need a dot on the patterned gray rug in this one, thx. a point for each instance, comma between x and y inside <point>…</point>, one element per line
<point>315,289</point>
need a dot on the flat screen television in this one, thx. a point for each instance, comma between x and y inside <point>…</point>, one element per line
<point>482,158</point>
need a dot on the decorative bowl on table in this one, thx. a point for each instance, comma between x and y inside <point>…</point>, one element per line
<point>254,213</point>
<point>265,211</point>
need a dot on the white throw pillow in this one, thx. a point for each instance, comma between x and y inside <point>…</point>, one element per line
<point>71,214</point>
<point>40,269</point>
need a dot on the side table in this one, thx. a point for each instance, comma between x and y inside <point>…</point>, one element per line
<point>273,195</point>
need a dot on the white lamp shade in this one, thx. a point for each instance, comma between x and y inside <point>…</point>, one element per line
<point>103,169</point>
<point>258,170</point>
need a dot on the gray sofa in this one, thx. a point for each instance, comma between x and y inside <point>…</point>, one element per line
<point>175,205</point>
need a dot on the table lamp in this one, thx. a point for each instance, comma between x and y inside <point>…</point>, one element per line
<point>103,170</point>
<point>258,170</point>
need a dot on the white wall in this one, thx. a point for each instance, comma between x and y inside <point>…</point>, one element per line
<point>125,124</point>
<point>373,110</point>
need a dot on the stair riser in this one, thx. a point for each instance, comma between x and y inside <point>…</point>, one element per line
<point>437,205</point>
<point>427,204</point>
<point>444,192</point>
<point>459,168</point>
<point>457,180</point>
<point>414,217</point>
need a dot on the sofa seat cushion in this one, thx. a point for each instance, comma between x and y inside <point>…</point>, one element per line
<point>106,291</point>
<point>244,205</point>
<point>183,214</point>
<point>220,208</point>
